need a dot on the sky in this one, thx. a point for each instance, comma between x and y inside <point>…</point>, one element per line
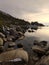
<point>29,10</point>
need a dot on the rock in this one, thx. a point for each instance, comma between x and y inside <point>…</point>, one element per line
<point>43,61</point>
<point>22,37</point>
<point>9,38</point>
<point>43,43</point>
<point>11,44</point>
<point>4,39</point>
<point>1,49</point>
<point>38,50</point>
<point>36,43</point>
<point>2,35</point>
<point>13,32</point>
<point>20,45</point>
<point>34,27</point>
<point>1,42</point>
<point>29,30</point>
<point>11,55</point>
<point>35,58</point>
<point>47,53</point>
<point>9,49</point>
<point>20,33</point>
<point>32,30</point>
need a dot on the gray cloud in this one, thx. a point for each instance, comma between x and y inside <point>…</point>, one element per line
<point>17,7</point>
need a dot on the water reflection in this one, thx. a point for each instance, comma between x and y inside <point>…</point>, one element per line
<point>42,33</point>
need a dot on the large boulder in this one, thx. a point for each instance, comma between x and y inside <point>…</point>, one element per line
<point>11,55</point>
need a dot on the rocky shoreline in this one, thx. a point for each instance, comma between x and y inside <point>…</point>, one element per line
<point>11,53</point>
<point>39,51</point>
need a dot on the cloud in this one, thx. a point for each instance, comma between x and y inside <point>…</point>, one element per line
<point>19,8</point>
<point>33,6</point>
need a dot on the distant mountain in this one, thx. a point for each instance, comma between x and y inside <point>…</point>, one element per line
<point>6,19</point>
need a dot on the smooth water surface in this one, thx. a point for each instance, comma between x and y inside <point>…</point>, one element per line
<point>41,34</point>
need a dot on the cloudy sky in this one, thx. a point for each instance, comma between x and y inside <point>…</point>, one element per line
<point>30,10</point>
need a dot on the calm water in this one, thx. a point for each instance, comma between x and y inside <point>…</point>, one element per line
<point>39,34</point>
<point>42,33</point>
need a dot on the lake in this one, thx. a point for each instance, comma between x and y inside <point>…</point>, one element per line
<point>41,34</point>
